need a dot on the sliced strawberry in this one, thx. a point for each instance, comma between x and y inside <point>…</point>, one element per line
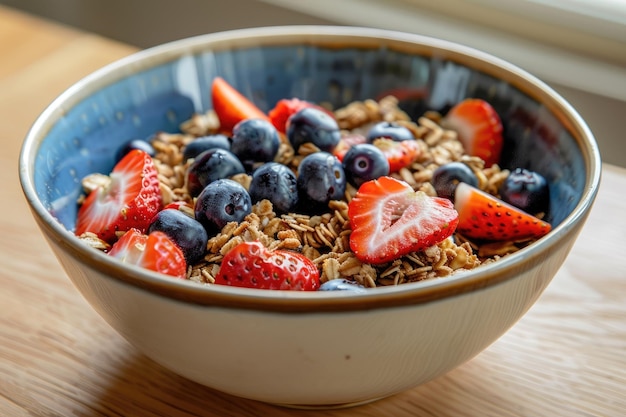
<point>346,142</point>
<point>400,154</point>
<point>479,128</point>
<point>183,206</point>
<point>131,199</point>
<point>483,216</point>
<point>288,106</point>
<point>231,106</point>
<point>404,94</point>
<point>252,265</point>
<point>178,205</point>
<point>154,251</point>
<point>389,219</point>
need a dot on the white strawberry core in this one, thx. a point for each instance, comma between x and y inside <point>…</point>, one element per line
<point>110,200</point>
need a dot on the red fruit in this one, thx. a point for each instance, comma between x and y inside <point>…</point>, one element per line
<point>130,200</point>
<point>231,106</point>
<point>389,219</point>
<point>183,206</point>
<point>252,265</point>
<point>345,143</point>
<point>399,154</point>
<point>178,205</point>
<point>479,128</point>
<point>404,94</point>
<point>483,216</point>
<point>154,251</point>
<point>286,107</point>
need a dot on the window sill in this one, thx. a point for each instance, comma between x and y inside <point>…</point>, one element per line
<point>580,44</point>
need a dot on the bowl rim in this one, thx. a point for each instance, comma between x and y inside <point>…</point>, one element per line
<point>311,302</point>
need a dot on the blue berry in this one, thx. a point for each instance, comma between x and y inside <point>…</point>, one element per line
<point>448,176</point>
<point>188,233</point>
<point>140,144</point>
<point>364,162</point>
<point>341,284</point>
<point>311,125</point>
<point>210,166</point>
<point>204,143</point>
<point>320,179</point>
<point>526,190</point>
<point>221,202</point>
<point>389,130</point>
<point>255,140</point>
<point>276,183</point>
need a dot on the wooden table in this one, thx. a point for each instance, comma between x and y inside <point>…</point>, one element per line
<point>566,357</point>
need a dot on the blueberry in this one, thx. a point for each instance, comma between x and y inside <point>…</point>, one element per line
<point>341,284</point>
<point>364,162</point>
<point>221,202</point>
<point>255,140</point>
<point>389,130</point>
<point>314,126</point>
<point>140,144</point>
<point>204,143</point>
<point>188,234</point>
<point>448,176</point>
<point>526,190</point>
<point>320,179</point>
<point>210,166</point>
<point>276,183</point>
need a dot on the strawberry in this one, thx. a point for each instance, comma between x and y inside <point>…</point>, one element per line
<point>131,199</point>
<point>180,205</point>
<point>286,107</point>
<point>479,128</point>
<point>346,142</point>
<point>252,265</point>
<point>389,219</point>
<point>231,106</point>
<point>404,94</point>
<point>483,216</point>
<point>183,206</point>
<point>154,251</point>
<point>400,154</point>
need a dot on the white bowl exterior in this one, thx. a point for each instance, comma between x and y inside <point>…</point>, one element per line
<point>319,359</point>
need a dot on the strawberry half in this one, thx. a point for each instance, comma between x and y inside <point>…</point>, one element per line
<point>479,128</point>
<point>231,106</point>
<point>252,265</point>
<point>130,200</point>
<point>483,216</point>
<point>286,107</point>
<point>346,142</point>
<point>389,220</point>
<point>183,206</point>
<point>399,154</point>
<point>155,251</point>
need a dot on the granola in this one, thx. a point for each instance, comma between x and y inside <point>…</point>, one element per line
<point>324,238</point>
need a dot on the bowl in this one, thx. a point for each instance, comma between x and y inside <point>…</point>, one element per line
<point>318,349</point>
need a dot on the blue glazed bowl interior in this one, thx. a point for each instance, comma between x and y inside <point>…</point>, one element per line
<point>86,138</point>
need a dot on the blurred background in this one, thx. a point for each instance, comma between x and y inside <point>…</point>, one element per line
<point>576,46</point>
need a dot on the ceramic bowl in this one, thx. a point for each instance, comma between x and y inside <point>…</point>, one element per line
<point>306,349</point>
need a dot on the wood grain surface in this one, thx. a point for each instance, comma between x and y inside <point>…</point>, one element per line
<point>566,357</point>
